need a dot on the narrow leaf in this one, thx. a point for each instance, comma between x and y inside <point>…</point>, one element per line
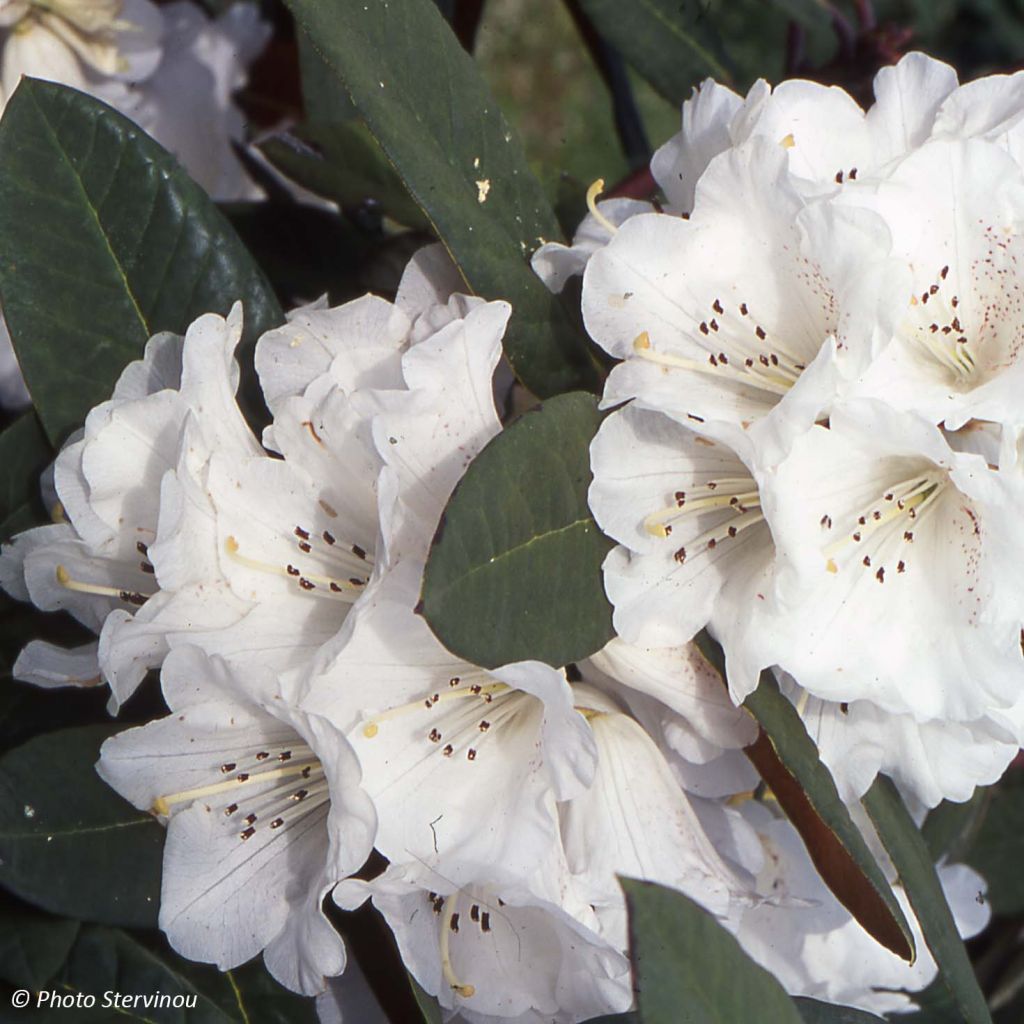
<point>673,44</point>
<point>427,1004</point>
<point>423,99</point>
<point>514,571</point>
<point>687,967</point>
<point>24,453</point>
<point>910,856</point>
<point>788,761</point>
<point>68,842</point>
<point>104,241</point>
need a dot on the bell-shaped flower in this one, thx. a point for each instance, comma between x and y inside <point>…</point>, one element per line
<point>497,950</point>
<point>264,815</point>
<point>760,303</point>
<point>462,763</point>
<point>896,568</point>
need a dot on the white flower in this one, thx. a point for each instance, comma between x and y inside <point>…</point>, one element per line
<point>13,393</point>
<point>750,314</point>
<point>896,570</point>
<point>496,950</point>
<point>264,815</point>
<point>80,43</point>
<point>694,547</point>
<point>463,764</point>
<point>929,761</point>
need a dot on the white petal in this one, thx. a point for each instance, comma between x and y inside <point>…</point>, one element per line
<point>48,665</point>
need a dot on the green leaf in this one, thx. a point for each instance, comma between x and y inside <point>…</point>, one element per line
<point>107,960</point>
<point>343,162</point>
<point>950,829</point>
<point>428,1005</point>
<point>68,842</point>
<point>813,1011</point>
<point>105,241</point>
<point>33,946</point>
<point>514,571</point>
<point>672,43</point>
<point>788,761</point>
<point>997,851</point>
<point>910,856</point>
<point>422,97</point>
<point>24,454</point>
<point>687,967</point>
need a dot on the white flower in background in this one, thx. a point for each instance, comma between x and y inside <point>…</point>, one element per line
<point>172,69</point>
<point>80,43</point>
<point>896,570</point>
<point>929,761</point>
<point>13,393</point>
<point>498,950</point>
<point>800,932</point>
<point>264,815</point>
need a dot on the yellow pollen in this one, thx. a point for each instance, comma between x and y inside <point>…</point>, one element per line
<point>370,730</point>
<point>592,193</point>
<point>57,513</point>
<point>641,341</point>
<point>831,566</point>
<point>788,142</point>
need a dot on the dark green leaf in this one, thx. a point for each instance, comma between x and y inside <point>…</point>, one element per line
<point>689,970</point>
<point>998,848</point>
<point>68,842</point>
<point>343,163</point>
<point>24,454</point>
<point>950,829</point>
<point>813,1011</point>
<point>672,43</point>
<point>422,97</point>
<point>105,241</point>
<point>427,1004</point>
<point>33,945</point>
<point>515,568</point>
<point>912,860</point>
<point>788,761</point>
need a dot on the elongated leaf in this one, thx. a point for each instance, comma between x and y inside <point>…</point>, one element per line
<point>951,830</point>
<point>428,1005</point>
<point>104,241</point>
<point>813,1011</point>
<point>24,453</point>
<point>425,103</point>
<point>33,946</point>
<point>788,761</point>
<point>672,43</point>
<point>68,842</point>
<point>687,967</point>
<point>343,163</point>
<point>909,854</point>
<point>515,568</point>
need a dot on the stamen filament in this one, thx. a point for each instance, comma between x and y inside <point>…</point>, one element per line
<point>592,193</point>
<point>65,579</point>
<point>458,987</point>
<point>371,727</point>
<point>162,805</point>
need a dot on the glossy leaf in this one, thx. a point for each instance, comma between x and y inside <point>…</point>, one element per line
<point>24,454</point>
<point>683,958</point>
<point>343,162</point>
<point>104,241</point>
<point>911,858</point>
<point>423,99</point>
<point>788,761</point>
<point>672,43</point>
<point>514,571</point>
<point>427,1004</point>
<point>69,843</point>
<point>951,829</point>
